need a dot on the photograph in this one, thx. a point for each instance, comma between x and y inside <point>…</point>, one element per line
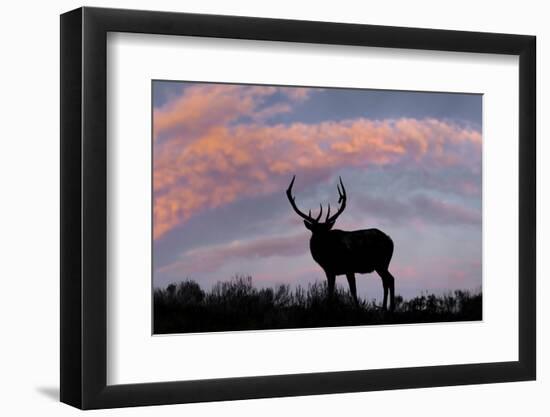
<point>322,209</point>
<point>291,207</point>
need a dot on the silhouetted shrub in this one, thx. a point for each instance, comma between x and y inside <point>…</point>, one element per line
<point>238,305</point>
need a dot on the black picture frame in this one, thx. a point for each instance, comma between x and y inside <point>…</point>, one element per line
<point>84,207</point>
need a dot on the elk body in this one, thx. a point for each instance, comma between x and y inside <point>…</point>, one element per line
<point>347,253</point>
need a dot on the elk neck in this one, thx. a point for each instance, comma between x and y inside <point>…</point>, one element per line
<point>319,238</point>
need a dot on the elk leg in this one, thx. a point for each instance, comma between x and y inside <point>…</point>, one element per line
<point>331,280</point>
<point>352,287</point>
<point>389,284</point>
<point>385,284</point>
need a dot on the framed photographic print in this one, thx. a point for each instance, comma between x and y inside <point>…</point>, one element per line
<point>258,207</point>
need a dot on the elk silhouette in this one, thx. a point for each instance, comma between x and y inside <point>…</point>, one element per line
<point>347,253</point>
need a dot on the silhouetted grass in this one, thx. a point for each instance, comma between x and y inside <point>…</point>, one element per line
<point>237,305</point>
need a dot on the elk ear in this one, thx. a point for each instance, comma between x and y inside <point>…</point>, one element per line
<point>330,224</point>
<point>307,224</point>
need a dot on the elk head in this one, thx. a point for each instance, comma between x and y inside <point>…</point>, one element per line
<point>314,224</point>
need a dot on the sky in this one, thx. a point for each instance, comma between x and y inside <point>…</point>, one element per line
<point>224,154</point>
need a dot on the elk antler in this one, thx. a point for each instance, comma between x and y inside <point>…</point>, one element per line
<point>309,218</point>
<point>292,200</point>
<point>342,201</point>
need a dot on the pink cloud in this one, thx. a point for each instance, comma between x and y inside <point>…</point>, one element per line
<point>201,106</point>
<point>418,210</point>
<point>207,160</point>
<point>298,93</point>
<point>405,272</point>
<point>204,106</point>
<point>256,159</point>
<point>444,212</point>
<point>211,258</point>
<point>439,274</point>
